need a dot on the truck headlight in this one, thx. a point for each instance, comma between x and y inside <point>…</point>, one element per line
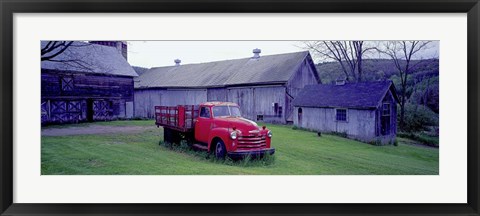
<point>233,135</point>
<point>269,134</point>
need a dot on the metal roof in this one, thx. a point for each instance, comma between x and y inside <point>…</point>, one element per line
<point>89,58</point>
<point>363,95</point>
<point>264,70</point>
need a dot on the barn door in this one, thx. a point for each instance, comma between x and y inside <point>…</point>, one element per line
<point>300,113</point>
<point>90,110</point>
<point>66,111</point>
<point>385,119</point>
<point>45,110</point>
<point>74,109</point>
<point>102,110</point>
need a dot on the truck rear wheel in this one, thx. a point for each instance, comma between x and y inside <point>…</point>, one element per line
<point>171,136</point>
<point>220,150</point>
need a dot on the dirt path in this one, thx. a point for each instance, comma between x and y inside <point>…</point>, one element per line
<point>94,129</point>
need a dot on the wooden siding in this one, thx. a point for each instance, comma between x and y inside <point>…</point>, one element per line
<point>253,101</point>
<point>147,99</point>
<point>304,76</point>
<point>360,124</point>
<point>217,94</point>
<point>264,100</point>
<point>76,97</point>
<point>244,98</point>
<point>87,86</point>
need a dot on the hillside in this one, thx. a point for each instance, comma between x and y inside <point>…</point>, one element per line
<point>377,69</point>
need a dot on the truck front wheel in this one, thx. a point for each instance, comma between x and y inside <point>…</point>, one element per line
<point>220,150</point>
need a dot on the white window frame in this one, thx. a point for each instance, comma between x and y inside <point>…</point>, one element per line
<point>346,114</point>
<point>389,110</point>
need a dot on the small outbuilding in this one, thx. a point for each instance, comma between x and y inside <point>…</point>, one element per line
<point>363,111</point>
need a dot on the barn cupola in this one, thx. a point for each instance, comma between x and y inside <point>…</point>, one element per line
<point>177,62</point>
<point>256,53</point>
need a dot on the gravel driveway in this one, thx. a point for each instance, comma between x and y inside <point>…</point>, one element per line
<point>94,129</point>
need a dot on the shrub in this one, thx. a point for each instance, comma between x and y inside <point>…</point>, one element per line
<point>418,118</point>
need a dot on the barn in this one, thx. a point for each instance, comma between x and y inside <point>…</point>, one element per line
<point>364,111</point>
<point>89,81</point>
<point>263,86</point>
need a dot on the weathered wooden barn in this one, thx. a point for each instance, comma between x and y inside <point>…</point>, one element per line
<point>87,82</point>
<point>263,86</point>
<point>363,111</point>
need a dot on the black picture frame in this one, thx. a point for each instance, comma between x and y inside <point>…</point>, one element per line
<point>9,7</point>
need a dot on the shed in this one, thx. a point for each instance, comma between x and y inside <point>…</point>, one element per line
<point>364,111</point>
<point>263,86</point>
<point>87,82</point>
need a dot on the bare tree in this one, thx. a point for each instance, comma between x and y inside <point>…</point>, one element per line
<point>54,48</point>
<point>349,54</point>
<point>63,52</point>
<point>402,53</point>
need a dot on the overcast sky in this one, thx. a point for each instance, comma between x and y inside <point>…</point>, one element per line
<point>163,53</point>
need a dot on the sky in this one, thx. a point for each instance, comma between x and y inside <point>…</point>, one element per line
<point>163,53</point>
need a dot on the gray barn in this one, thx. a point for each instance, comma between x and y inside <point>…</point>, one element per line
<point>263,87</point>
<point>363,111</point>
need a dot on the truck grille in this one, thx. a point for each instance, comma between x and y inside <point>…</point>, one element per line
<point>251,142</point>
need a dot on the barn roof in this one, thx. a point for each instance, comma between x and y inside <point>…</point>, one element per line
<point>264,70</point>
<point>89,58</point>
<point>363,95</point>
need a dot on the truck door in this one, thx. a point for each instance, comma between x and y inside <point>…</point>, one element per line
<point>203,124</point>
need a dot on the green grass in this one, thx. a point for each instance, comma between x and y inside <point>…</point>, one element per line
<point>421,138</point>
<point>298,152</point>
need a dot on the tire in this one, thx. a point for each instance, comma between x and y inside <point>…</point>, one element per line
<point>189,137</point>
<point>220,150</point>
<point>176,138</point>
<point>167,135</point>
<point>171,136</point>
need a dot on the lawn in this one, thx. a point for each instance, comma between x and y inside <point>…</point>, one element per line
<point>297,153</point>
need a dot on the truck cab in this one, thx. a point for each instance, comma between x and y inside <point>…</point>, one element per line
<point>225,132</point>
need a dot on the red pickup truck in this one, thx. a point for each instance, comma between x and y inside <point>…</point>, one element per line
<point>214,127</point>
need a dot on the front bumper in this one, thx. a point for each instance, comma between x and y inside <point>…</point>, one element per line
<point>252,153</point>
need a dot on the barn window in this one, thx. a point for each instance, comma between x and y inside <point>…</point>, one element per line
<point>205,112</point>
<point>259,117</point>
<point>341,114</point>
<point>386,109</point>
<point>67,83</point>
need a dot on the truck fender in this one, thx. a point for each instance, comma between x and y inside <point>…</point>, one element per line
<point>222,133</point>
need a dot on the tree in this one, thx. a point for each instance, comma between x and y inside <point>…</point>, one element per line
<point>402,53</point>
<point>349,54</point>
<point>53,49</point>
<point>63,52</point>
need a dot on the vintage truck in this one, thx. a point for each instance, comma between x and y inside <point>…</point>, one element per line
<point>216,127</point>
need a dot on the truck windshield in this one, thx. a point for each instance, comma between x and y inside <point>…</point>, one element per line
<point>224,111</point>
